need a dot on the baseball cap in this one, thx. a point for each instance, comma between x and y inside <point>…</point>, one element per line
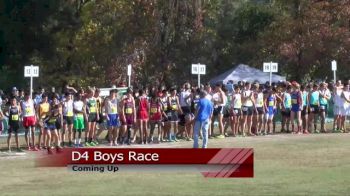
<point>14,89</point>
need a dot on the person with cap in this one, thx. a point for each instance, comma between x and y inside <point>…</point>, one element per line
<point>203,115</point>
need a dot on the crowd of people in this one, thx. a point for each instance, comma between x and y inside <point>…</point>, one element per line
<point>76,118</point>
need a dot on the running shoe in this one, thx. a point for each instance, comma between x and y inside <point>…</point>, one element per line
<point>19,150</point>
<point>92,143</point>
<point>80,145</point>
<point>87,144</point>
<point>220,137</point>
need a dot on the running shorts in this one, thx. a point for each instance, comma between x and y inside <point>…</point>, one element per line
<point>78,123</point>
<point>260,111</point>
<point>247,110</point>
<point>314,109</point>
<point>28,121</point>
<point>92,117</point>
<point>113,120</point>
<point>68,120</point>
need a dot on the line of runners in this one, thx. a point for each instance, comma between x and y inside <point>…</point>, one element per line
<point>249,110</point>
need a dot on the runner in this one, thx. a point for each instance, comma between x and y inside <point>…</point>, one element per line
<point>53,121</point>
<point>210,98</point>
<point>29,121</point>
<point>338,105</point>
<point>166,125</point>
<point>156,113</point>
<point>236,110</point>
<point>314,98</point>
<point>185,100</point>
<point>325,96</point>
<point>247,109</point>
<point>345,97</point>
<point>128,115</point>
<point>297,101</point>
<point>305,111</point>
<point>142,115</point>
<point>68,118</point>
<point>270,105</point>
<point>174,111</point>
<point>79,109</point>
<point>259,108</point>
<point>56,102</point>
<point>43,110</point>
<point>93,117</point>
<point>14,112</point>
<point>219,99</point>
<point>100,122</point>
<point>111,108</point>
<point>286,108</point>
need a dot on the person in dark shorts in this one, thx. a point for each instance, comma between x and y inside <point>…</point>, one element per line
<point>128,115</point>
<point>14,112</point>
<point>314,98</point>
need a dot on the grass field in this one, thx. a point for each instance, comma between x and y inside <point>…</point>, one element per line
<point>317,164</point>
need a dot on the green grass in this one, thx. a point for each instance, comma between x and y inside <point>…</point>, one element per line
<point>316,164</point>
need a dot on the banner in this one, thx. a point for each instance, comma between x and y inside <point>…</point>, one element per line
<point>213,162</point>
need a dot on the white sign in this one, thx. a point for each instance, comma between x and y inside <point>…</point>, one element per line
<point>270,67</point>
<point>274,67</point>
<point>31,71</point>
<point>334,65</point>
<point>198,69</point>
<point>129,70</point>
<point>201,69</point>
<point>195,69</point>
<point>267,67</point>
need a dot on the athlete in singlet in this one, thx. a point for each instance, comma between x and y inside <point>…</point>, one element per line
<point>259,108</point>
<point>79,109</point>
<point>346,106</point>
<point>156,113</point>
<point>314,98</point>
<point>247,109</point>
<point>236,110</point>
<point>53,121</point>
<point>305,112</point>
<point>219,99</point>
<point>337,92</point>
<point>27,106</point>
<point>43,110</point>
<point>100,123</point>
<point>325,96</point>
<point>14,113</point>
<point>297,106</point>
<point>93,118</point>
<point>112,111</point>
<point>166,125</point>
<point>175,109</point>
<point>128,115</point>
<point>286,108</point>
<point>270,105</point>
<point>142,115</point>
<point>68,115</point>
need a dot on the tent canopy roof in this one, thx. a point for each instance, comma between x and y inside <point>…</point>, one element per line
<point>243,72</point>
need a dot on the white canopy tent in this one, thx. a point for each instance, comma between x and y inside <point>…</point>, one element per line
<point>245,73</point>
